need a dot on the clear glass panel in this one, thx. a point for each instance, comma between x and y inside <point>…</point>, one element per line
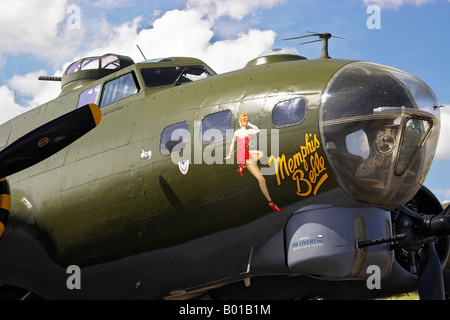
<point>73,67</point>
<point>174,138</point>
<point>380,131</point>
<point>194,73</point>
<point>289,112</point>
<point>414,134</point>
<point>155,77</point>
<point>358,144</point>
<point>418,90</point>
<point>110,62</point>
<point>90,63</point>
<point>90,95</point>
<point>119,89</point>
<point>215,126</point>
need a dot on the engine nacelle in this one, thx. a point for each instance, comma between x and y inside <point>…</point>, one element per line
<point>321,241</point>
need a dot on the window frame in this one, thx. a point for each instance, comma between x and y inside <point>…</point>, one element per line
<point>105,89</point>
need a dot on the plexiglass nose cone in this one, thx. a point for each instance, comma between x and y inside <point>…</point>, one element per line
<point>380,129</point>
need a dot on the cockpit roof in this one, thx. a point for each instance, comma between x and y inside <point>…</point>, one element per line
<point>93,68</point>
<point>105,62</point>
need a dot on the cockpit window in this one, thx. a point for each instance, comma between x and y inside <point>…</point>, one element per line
<point>119,89</point>
<point>90,95</point>
<point>155,77</point>
<point>73,67</point>
<point>110,62</point>
<point>90,63</point>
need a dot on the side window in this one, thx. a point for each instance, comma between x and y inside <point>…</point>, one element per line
<point>119,89</point>
<point>174,138</point>
<point>215,126</point>
<point>90,95</point>
<point>155,77</point>
<point>289,112</point>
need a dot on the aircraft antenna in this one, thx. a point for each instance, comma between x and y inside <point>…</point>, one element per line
<point>141,52</point>
<point>324,37</point>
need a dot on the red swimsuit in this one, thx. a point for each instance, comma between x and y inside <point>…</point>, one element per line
<point>243,153</point>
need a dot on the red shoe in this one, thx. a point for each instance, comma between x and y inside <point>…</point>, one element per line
<point>241,167</point>
<point>274,207</point>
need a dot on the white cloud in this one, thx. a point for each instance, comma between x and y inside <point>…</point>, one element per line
<point>35,92</point>
<point>9,108</point>
<point>187,32</point>
<point>233,54</point>
<point>235,9</point>
<point>38,28</point>
<point>31,91</point>
<point>443,150</point>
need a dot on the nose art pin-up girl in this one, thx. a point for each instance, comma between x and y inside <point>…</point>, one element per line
<point>248,159</point>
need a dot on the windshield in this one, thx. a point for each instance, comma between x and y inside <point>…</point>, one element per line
<point>155,77</point>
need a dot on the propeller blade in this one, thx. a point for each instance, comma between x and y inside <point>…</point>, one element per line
<point>48,139</point>
<point>431,282</point>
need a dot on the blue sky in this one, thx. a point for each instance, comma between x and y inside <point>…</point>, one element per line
<point>413,36</point>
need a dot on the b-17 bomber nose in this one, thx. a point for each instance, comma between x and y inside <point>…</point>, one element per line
<point>380,128</point>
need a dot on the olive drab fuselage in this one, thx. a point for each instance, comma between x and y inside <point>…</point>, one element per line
<point>136,192</point>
